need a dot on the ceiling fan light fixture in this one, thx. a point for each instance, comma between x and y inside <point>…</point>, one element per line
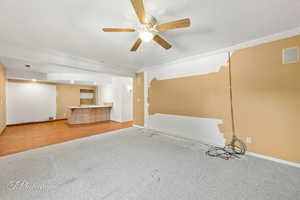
<point>146,36</point>
<point>149,29</point>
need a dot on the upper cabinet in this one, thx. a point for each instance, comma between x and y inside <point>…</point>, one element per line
<point>87,96</point>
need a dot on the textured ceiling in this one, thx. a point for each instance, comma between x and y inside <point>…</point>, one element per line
<point>74,26</point>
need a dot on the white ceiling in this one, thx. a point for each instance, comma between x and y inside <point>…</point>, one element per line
<point>74,27</point>
<point>15,69</point>
<point>40,67</point>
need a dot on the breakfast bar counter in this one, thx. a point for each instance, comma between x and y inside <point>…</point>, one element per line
<point>88,114</point>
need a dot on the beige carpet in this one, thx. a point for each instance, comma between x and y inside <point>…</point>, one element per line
<point>134,164</point>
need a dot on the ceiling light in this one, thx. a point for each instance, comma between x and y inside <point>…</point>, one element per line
<point>146,36</point>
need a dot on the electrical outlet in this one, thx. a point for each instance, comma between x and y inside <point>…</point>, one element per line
<point>249,140</point>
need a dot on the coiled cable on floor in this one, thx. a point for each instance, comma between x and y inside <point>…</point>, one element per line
<point>236,147</point>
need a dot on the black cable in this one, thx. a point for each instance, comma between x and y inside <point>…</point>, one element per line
<point>230,95</point>
<point>234,149</point>
<point>236,146</point>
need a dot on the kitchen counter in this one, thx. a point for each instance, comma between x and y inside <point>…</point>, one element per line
<point>90,106</point>
<point>87,114</point>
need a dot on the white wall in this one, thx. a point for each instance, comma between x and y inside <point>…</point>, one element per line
<point>105,93</point>
<point>202,129</point>
<point>81,77</point>
<point>116,112</point>
<point>28,102</point>
<point>122,99</point>
<point>127,104</point>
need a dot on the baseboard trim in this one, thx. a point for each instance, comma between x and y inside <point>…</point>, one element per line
<point>127,122</point>
<point>27,123</point>
<point>293,164</point>
<point>138,126</point>
<point>2,129</point>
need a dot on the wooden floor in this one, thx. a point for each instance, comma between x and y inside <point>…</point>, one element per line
<point>25,137</point>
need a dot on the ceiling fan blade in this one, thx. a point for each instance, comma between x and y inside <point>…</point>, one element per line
<point>118,30</point>
<point>138,6</point>
<point>174,25</point>
<point>162,42</point>
<point>136,45</point>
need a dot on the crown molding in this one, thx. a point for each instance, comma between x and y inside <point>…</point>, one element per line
<point>251,43</point>
<point>61,59</point>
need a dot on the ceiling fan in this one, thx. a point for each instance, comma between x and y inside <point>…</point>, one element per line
<point>149,28</point>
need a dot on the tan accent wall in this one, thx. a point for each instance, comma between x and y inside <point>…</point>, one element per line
<point>266,99</point>
<point>203,96</point>
<point>2,99</point>
<point>138,99</point>
<point>69,95</point>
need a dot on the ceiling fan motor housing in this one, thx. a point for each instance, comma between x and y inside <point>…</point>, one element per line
<point>149,28</point>
<point>151,21</point>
